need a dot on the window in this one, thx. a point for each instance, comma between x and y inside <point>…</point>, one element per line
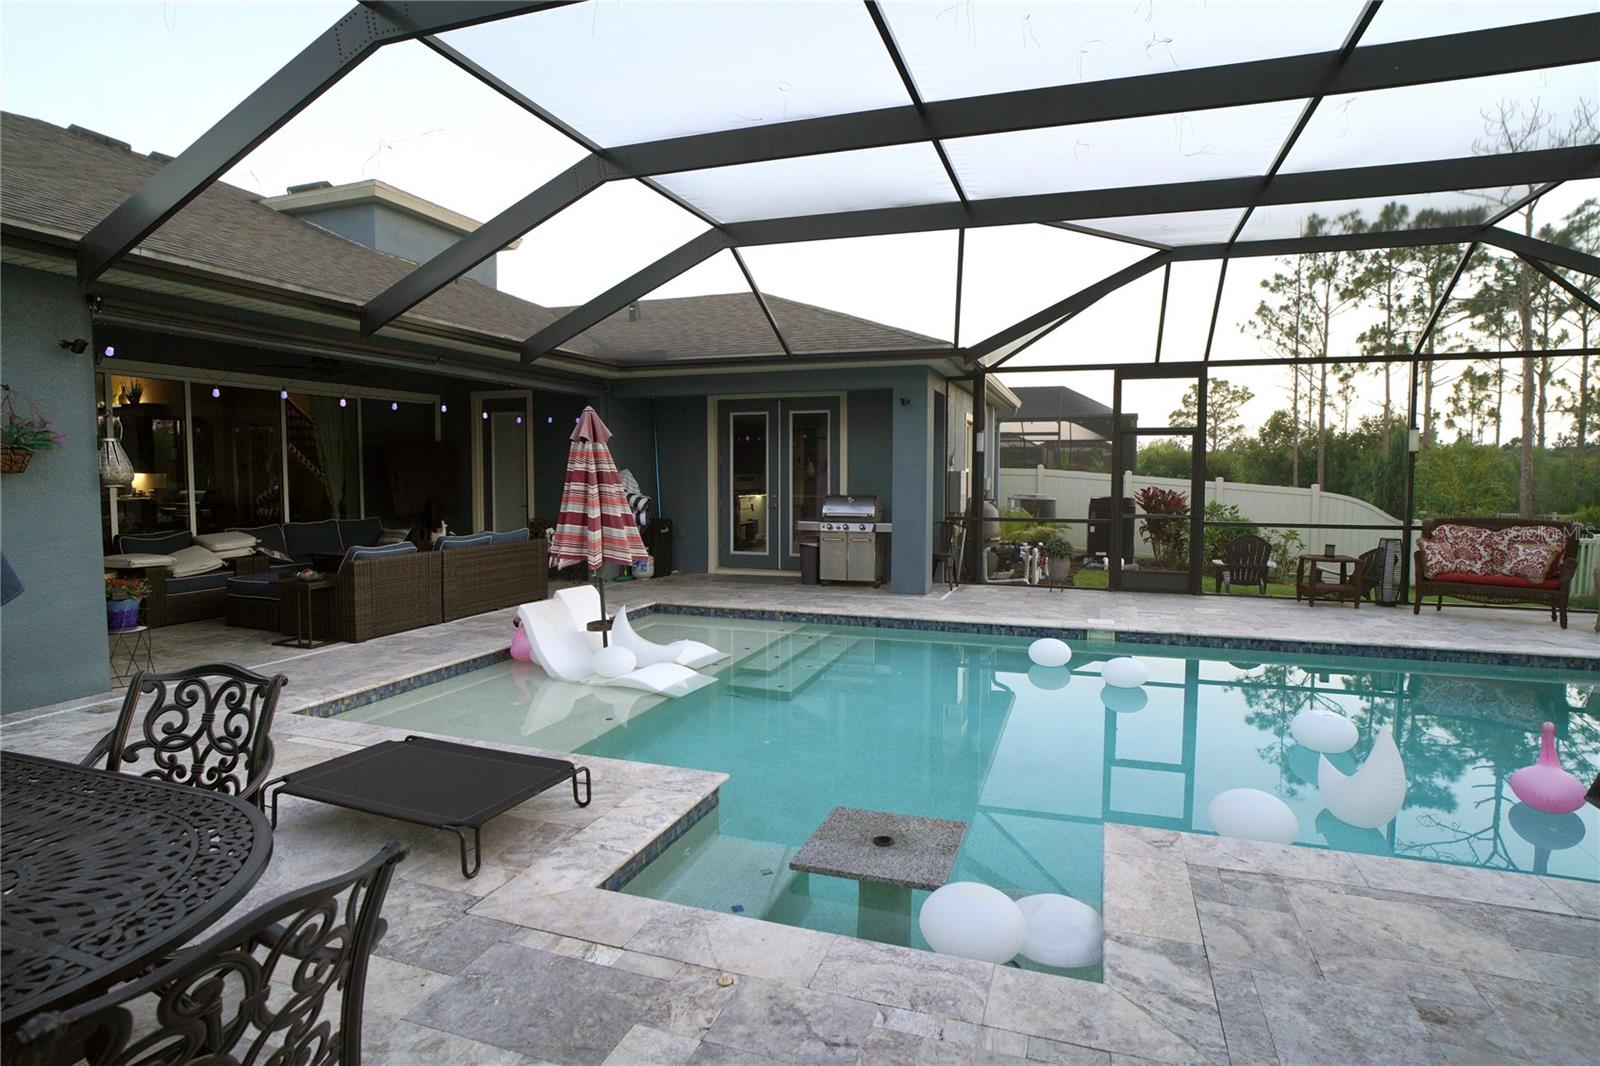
<point>147,415</point>
<point>238,456</point>
<point>324,457</point>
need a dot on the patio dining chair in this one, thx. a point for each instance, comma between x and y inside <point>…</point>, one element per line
<point>953,545</point>
<point>207,726</point>
<point>1244,562</point>
<point>286,983</point>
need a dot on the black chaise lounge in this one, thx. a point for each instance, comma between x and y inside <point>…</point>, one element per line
<point>429,782</point>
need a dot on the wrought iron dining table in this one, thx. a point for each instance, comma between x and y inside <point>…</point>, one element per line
<point>102,874</point>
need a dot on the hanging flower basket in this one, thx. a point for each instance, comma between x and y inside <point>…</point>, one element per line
<point>14,460</point>
<point>22,432</point>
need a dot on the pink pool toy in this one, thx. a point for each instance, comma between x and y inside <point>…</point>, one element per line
<point>1545,786</point>
<point>520,649</point>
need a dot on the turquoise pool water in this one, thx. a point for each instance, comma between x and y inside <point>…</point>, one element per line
<point>808,717</point>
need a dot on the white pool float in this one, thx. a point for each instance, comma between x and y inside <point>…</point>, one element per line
<point>614,661</point>
<point>1323,730</point>
<point>1251,814</point>
<point>973,921</point>
<point>1048,651</point>
<point>1125,672</point>
<point>1061,931</point>
<point>1374,794</point>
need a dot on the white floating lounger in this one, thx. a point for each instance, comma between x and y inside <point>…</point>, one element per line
<point>561,648</point>
<point>691,653</point>
<point>584,603</point>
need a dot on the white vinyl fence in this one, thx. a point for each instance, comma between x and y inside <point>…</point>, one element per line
<point>1279,505</point>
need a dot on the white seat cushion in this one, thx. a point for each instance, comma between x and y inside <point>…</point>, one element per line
<point>137,561</point>
<point>233,541</point>
<point>187,562</point>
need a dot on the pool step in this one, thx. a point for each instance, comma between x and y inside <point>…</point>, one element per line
<point>789,665</point>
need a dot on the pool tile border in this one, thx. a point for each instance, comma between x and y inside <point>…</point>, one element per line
<point>1531,660</point>
<point>349,702</point>
<point>661,842</point>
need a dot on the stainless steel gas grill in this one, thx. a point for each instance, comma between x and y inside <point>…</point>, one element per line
<point>849,531</point>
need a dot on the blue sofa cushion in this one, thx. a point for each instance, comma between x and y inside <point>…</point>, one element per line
<point>513,537</point>
<point>354,532</point>
<point>268,536</point>
<point>207,582</point>
<point>256,586</point>
<point>154,543</point>
<point>462,540</point>
<point>361,551</point>
<point>307,537</point>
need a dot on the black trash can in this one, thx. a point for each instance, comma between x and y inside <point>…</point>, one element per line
<point>810,559</point>
<point>657,537</point>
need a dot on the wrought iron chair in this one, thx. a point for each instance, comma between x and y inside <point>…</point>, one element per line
<point>953,538</point>
<point>1244,562</point>
<point>217,1002</point>
<point>208,726</point>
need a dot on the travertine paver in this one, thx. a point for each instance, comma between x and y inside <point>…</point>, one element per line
<point>1217,950</point>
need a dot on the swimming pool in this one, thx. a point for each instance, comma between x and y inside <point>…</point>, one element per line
<point>961,726</point>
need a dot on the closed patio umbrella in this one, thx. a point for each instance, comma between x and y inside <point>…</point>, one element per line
<point>595,526</point>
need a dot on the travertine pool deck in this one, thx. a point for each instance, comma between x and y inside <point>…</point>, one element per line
<point>1216,950</point>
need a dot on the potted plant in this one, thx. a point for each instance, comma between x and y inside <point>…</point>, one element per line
<point>22,432</point>
<point>123,597</point>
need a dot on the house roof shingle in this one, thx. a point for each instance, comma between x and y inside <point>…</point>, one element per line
<point>68,181</point>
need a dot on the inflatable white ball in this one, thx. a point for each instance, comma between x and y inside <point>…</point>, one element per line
<point>1125,672</point>
<point>973,921</point>
<point>1062,932</point>
<point>614,661</point>
<point>1323,730</point>
<point>1049,678</point>
<point>1123,700</point>
<point>1048,651</point>
<point>1251,814</point>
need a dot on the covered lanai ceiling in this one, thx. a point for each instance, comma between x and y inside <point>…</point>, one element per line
<point>1186,131</point>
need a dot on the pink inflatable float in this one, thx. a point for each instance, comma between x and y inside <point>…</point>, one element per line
<point>520,650</point>
<point>1545,786</point>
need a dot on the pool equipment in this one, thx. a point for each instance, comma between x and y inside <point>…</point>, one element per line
<point>973,921</point>
<point>1123,700</point>
<point>614,661</point>
<point>1251,814</point>
<point>1544,785</point>
<point>1048,651</point>
<point>1049,678</point>
<point>1061,931</point>
<point>1374,794</point>
<point>1125,672</point>
<point>1323,730</point>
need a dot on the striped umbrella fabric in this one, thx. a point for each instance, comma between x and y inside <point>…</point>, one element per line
<point>595,524</point>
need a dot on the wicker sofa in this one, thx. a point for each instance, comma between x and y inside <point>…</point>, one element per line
<point>488,577</point>
<point>174,600</point>
<point>1472,559</point>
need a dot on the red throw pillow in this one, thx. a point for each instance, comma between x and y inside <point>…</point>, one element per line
<point>1528,559</point>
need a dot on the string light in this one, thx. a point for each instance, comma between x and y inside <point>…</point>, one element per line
<point>111,351</point>
<point>283,394</point>
<point>343,402</point>
<point>444,408</point>
<point>216,393</point>
<point>394,405</point>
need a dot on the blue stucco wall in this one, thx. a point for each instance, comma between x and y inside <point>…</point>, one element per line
<point>52,636</point>
<point>395,232</point>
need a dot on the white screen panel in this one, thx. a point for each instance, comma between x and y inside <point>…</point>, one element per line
<point>1380,213</point>
<point>1173,228</point>
<point>1405,20</point>
<point>624,72</point>
<point>1450,119</point>
<point>899,176</point>
<point>969,49</point>
<point>1014,271</point>
<point>1228,142</point>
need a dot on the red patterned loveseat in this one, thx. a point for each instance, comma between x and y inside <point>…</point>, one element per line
<point>1497,560</point>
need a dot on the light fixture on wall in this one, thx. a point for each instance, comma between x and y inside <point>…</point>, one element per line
<point>76,347</point>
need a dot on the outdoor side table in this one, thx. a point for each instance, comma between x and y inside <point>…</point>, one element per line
<point>888,855</point>
<point>300,592</point>
<point>1348,587</point>
<point>104,873</point>
<point>130,652</point>
<point>436,783</point>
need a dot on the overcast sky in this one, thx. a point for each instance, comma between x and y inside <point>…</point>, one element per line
<point>158,74</point>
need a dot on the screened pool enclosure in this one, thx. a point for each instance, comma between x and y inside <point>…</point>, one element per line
<point>1142,148</point>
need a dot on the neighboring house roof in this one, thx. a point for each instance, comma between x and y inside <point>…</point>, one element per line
<point>65,181</point>
<point>1055,403</point>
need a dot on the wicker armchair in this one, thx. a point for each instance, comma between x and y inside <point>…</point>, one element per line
<point>492,576</point>
<point>376,597</point>
<point>208,726</point>
<point>290,977</point>
<point>1553,593</point>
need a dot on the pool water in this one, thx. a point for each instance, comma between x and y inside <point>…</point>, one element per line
<point>959,726</point>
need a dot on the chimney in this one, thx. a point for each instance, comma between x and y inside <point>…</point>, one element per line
<point>633,311</point>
